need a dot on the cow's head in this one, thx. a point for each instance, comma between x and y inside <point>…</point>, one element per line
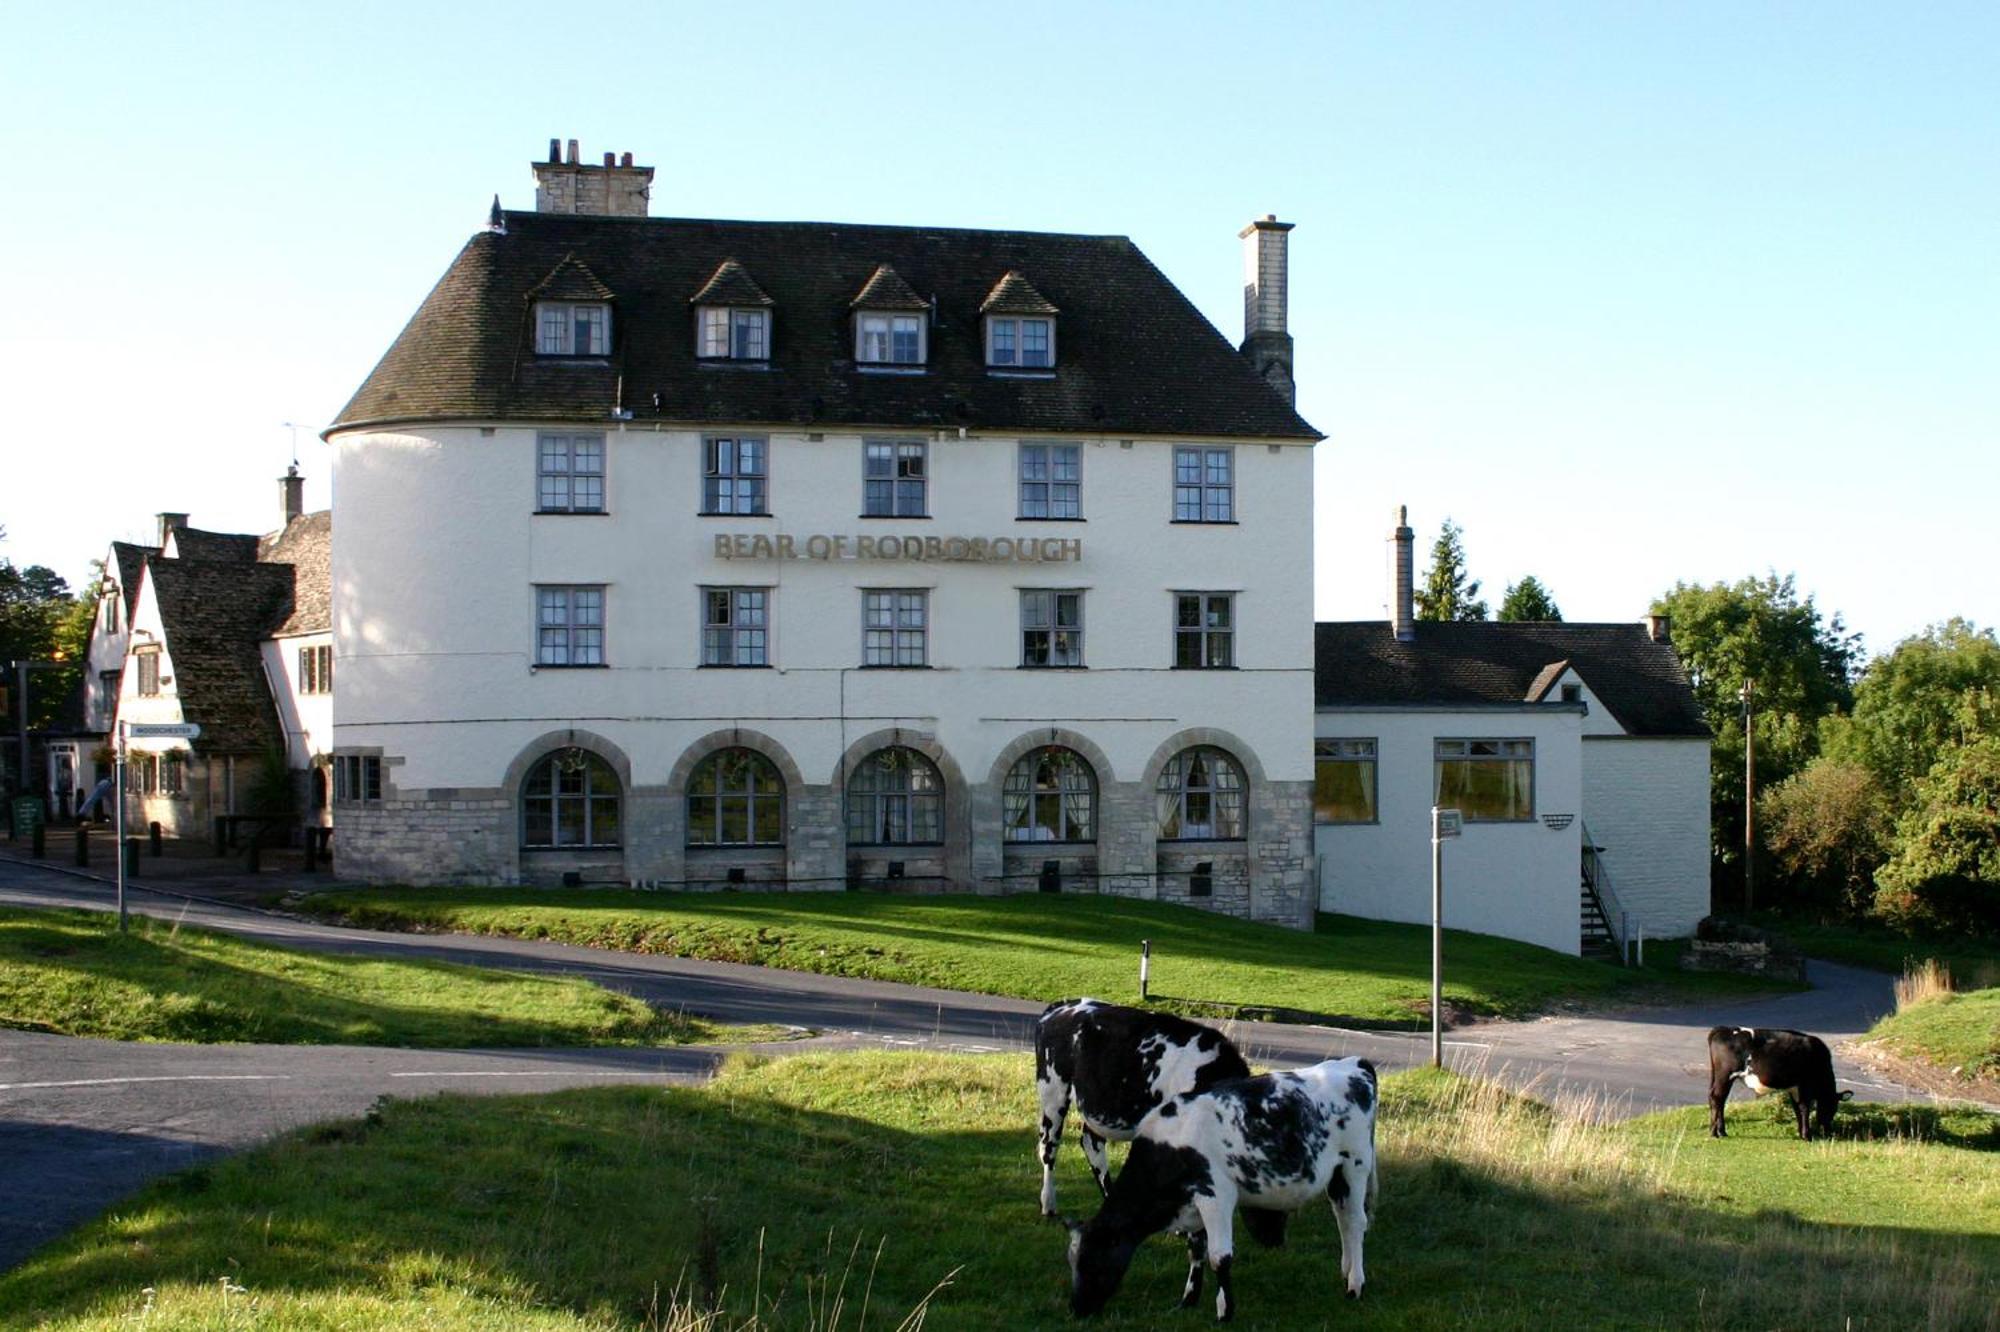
<point>1097,1263</point>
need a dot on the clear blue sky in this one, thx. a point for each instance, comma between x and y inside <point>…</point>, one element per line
<point>1634,294</point>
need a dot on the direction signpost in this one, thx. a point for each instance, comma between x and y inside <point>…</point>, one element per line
<point>1444,823</point>
<point>139,731</point>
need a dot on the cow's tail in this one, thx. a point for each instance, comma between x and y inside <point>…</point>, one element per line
<point>1374,1168</point>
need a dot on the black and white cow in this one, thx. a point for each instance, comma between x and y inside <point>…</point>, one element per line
<point>1116,1065</point>
<point>1773,1060</point>
<point>1274,1142</point>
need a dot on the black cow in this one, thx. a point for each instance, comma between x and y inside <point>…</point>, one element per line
<point>1117,1065</point>
<point>1274,1142</point>
<point>1773,1060</point>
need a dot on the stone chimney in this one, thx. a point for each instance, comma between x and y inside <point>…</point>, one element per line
<point>292,494</point>
<point>169,524</point>
<point>565,185</point>
<point>1266,343</point>
<point>1660,628</point>
<point>1402,588</point>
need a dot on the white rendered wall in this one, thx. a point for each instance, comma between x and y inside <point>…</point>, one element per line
<point>107,653</point>
<point>307,719</point>
<point>1646,801</point>
<point>1516,880</point>
<point>438,550</point>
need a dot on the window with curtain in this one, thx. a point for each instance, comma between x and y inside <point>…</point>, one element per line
<point>1050,795</point>
<point>736,798</point>
<point>1490,781</point>
<point>895,798</point>
<point>570,799</point>
<point>1200,797</point>
<point>1344,781</point>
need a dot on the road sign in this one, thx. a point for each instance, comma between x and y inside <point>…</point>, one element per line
<point>163,730</point>
<point>1450,823</point>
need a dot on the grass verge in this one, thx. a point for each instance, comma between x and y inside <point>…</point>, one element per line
<point>1956,1032</point>
<point>1349,971</point>
<point>846,1191</point>
<point>73,973</point>
<point>1974,960</point>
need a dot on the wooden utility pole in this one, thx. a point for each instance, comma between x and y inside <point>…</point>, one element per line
<point>1749,798</point>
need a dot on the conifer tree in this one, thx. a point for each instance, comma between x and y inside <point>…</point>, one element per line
<point>1447,594</point>
<point>1528,600</point>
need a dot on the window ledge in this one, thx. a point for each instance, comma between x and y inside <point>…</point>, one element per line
<point>1024,666</point>
<point>717,513</point>
<point>923,666</point>
<point>558,358</point>
<point>573,513</point>
<point>585,849</point>
<point>735,666</point>
<point>1023,518</point>
<point>896,846</point>
<point>879,368</point>
<point>731,363</point>
<point>1004,372</point>
<point>1197,843</point>
<point>571,666</point>
<point>884,517</point>
<point>1195,669</point>
<point>1203,522</point>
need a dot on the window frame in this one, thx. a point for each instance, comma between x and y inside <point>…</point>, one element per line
<point>1021,793</point>
<point>1505,754</point>
<point>724,644</point>
<point>1043,455</point>
<point>895,452</point>
<point>1171,794</point>
<point>146,681</point>
<point>567,312</point>
<point>557,798</point>
<point>716,450</point>
<point>550,445</point>
<point>879,802</point>
<point>1204,488</point>
<point>1328,750</point>
<point>357,779</point>
<point>730,321</point>
<point>1203,634</point>
<point>889,320</point>
<point>1054,628</point>
<point>1017,354</point>
<point>316,669</point>
<point>888,639</point>
<point>755,766</point>
<point>577,634</point>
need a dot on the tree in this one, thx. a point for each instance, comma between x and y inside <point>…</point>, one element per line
<point>1828,828</point>
<point>1945,874</point>
<point>1910,704</point>
<point>1447,594</point>
<point>41,621</point>
<point>1529,600</point>
<point>1758,629</point>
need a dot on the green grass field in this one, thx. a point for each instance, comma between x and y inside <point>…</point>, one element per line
<point>72,973</point>
<point>1352,971</point>
<point>1956,1032</point>
<point>844,1191</point>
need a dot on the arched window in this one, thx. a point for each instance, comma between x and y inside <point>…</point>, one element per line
<point>570,798</point>
<point>1050,796</point>
<point>736,798</point>
<point>895,797</point>
<point>1200,797</point>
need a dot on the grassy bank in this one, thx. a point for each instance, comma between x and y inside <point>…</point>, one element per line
<point>1975,961</point>
<point>845,1191</point>
<point>73,973</point>
<point>1958,1033</point>
<point>1045,947</point>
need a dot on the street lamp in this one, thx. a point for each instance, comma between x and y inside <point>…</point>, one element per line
<point>1749,798</point>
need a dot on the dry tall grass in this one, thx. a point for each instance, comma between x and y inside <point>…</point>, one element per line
<point>1921,981</point>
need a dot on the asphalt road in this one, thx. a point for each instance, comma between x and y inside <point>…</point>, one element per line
<point>84,1123</point>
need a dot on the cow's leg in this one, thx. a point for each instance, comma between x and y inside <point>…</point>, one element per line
<point>1349,1192</point>
<point>1718,1092</point>
<point>1197,1255</point>
<point>1802,1109</point>
<point>1100,1160</point>
<point>1054,1096</point>
<point>1217,1212</point>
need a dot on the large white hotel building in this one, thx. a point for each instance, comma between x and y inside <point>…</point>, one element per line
<point>697,553</point>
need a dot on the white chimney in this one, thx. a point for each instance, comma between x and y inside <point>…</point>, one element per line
<point>1267,343</point>
<point>1402,589</point>
<point>615,189</point>
<point>1660,628</point>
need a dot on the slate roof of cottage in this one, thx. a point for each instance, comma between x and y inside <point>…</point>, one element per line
<point>305,543</point>
<point>131,562</point>
<point>1137,357</point>
<point>213,616</point>
<point>1014,294</point>
<point>731,285</point>
<point>570,280</point>
<point>886,290</point>
<point>1360,663</point>
<point>191,543</point>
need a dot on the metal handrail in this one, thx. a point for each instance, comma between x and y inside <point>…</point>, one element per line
<point>1597,878</point>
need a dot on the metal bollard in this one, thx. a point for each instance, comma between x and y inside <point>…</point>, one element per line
<point>153,836</point>
<point>131,857</point>
<point>82,846</point>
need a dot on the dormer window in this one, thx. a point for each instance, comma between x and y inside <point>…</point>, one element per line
<point>1025,344</point>
<point>1020,325</point>
<point>732,316</point>
<point>572,328</point>
<point>735,335</point>
<point>891,322</point>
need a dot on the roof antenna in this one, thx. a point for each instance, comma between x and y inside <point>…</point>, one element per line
<point>293,426</point>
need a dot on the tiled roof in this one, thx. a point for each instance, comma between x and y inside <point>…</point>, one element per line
<point>570,280</point>
<point>1014,294</point>
<point>886,290</point>
<point>731,285</point>
<point>1361,664</point>
<point>305,543</point>
<point>131,561</point>
<point>1138,358</point>
<point>213,616</point>
<point>191,543</point>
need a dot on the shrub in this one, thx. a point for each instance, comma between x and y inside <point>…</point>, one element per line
<point>1827,826</point>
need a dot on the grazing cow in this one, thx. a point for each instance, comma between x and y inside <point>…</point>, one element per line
<point>1772,1060</point>
<point>1117,1065</point>
<point>1275,1142</point>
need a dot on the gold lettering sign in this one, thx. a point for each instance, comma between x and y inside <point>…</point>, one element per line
<point>917,549</point>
